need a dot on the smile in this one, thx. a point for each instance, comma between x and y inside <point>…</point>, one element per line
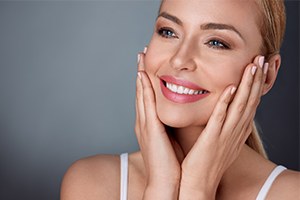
<point>181,91</point>
<point>184,90</point>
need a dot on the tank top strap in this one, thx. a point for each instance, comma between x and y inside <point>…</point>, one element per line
<point>268,183</point>
<point>124,176</point>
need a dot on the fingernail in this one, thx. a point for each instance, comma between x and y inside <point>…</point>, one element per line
<point>261,61</point>
<point>233,89</point>
<point>145,50</point>
<point>139,75</point>
<point>138,58</point>
<point>253,70</point>
<point>266,67</point>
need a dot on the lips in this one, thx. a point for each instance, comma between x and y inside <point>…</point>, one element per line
<point>181,91</point>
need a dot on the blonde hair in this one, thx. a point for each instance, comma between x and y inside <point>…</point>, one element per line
<point>272,26</point>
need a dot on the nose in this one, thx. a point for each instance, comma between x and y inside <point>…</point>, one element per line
<point>184,57</point>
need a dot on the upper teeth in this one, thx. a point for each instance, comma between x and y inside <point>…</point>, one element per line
<point>183,90</point>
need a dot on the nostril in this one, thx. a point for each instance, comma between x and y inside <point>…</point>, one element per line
<point>183,64</point>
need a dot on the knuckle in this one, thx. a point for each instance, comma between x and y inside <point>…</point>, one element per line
<point>253,101</point>
<point>259,78</point>
<point>249,84</point>
<point>226,101</point>
<point>241,107</point>
<point>220,117</point>
<point>149,101</point>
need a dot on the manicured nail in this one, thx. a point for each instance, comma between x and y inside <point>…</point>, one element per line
<point>233,89</point>
<point>266,67</point>
<point>253,70</point>
<point>138,58</point>
<point>139,75</point>
<point>261,61</point>
<point>145,50</point>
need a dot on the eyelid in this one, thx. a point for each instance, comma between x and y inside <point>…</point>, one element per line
<point>225,42</point>
<point>225,46</point>
<point>166,28</point>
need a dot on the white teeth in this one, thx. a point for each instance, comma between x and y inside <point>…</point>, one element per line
<point>180,90</point>
<point>183,90</point>
<point>186,91</point>
<point>173,88</point>
<point>191,92</point>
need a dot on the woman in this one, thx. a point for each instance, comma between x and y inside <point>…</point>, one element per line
<point>199,83</point>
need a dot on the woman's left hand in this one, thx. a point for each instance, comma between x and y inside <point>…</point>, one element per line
<point>226,132</point>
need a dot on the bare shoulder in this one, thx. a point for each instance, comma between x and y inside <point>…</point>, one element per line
<point>95,177</point>
<point>286,186</point>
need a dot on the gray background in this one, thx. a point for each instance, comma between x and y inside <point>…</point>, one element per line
<point>67,85</point>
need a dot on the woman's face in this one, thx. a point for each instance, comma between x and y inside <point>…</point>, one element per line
<point>203,45</point>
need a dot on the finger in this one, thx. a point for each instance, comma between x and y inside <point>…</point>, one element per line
<point>140,115</point>
<point>239,103</point>
<point>215,123</point>
<point>237,106</point>
<point>139,107</point>
<point>246,131</point>
<point>145,50</point>
<point>141,66</point>
<point>255,95</point>
<point>264,67</point>
<point>252,102</point>
<point>149,100</point>
<point>140,99</point>
<point>265,71</point>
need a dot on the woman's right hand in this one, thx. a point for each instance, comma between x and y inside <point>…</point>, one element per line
<point>159,151</point>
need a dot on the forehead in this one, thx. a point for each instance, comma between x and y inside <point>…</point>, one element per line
<point>220,6</point>
<point>242,14</point>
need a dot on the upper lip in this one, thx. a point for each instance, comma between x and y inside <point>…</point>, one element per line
<point>181,82</point>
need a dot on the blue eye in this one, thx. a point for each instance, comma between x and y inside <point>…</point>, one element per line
<point>217,44</point>
<point>166,33</point>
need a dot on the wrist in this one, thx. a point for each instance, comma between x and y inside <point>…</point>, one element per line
<point>163,181</point>
<point>161,191</point>
<point>189,189</point>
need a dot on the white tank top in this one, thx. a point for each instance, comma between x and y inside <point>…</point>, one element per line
<point>261,195</point>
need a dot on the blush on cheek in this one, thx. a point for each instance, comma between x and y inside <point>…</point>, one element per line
<point>224,78</point>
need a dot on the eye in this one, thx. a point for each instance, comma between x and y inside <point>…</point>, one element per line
<point>166,33</point>
<point>217,44</point>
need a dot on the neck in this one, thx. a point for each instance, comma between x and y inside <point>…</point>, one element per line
<point>186,137</point>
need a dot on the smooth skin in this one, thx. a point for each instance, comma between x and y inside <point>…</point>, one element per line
<point>221,141</point>
<point>204,155</point>
<point>98,177</point>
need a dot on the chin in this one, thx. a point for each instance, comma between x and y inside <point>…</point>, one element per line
<point>178,118</point>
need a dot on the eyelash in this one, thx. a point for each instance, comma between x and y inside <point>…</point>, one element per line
<point>169,33</point>
<point>163,32</point>
<point>220,44</point>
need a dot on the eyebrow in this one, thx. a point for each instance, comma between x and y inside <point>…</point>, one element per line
<point>207,26</point>
<point>170,17</point>
<point>213,26</point>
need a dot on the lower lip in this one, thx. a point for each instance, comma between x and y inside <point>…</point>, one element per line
<point>180,98</point>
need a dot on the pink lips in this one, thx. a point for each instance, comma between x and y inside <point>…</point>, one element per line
<point>180,98</point>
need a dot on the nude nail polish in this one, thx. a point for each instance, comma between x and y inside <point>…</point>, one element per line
<point>253,70</point>
<point>266,67</point>
<point>261,61</point>
<point>138,58</point>
<point>233,89</point>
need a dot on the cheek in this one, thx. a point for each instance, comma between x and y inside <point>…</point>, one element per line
<point>221,76</point>
<point>216,74</point>
<point>154,57</point>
